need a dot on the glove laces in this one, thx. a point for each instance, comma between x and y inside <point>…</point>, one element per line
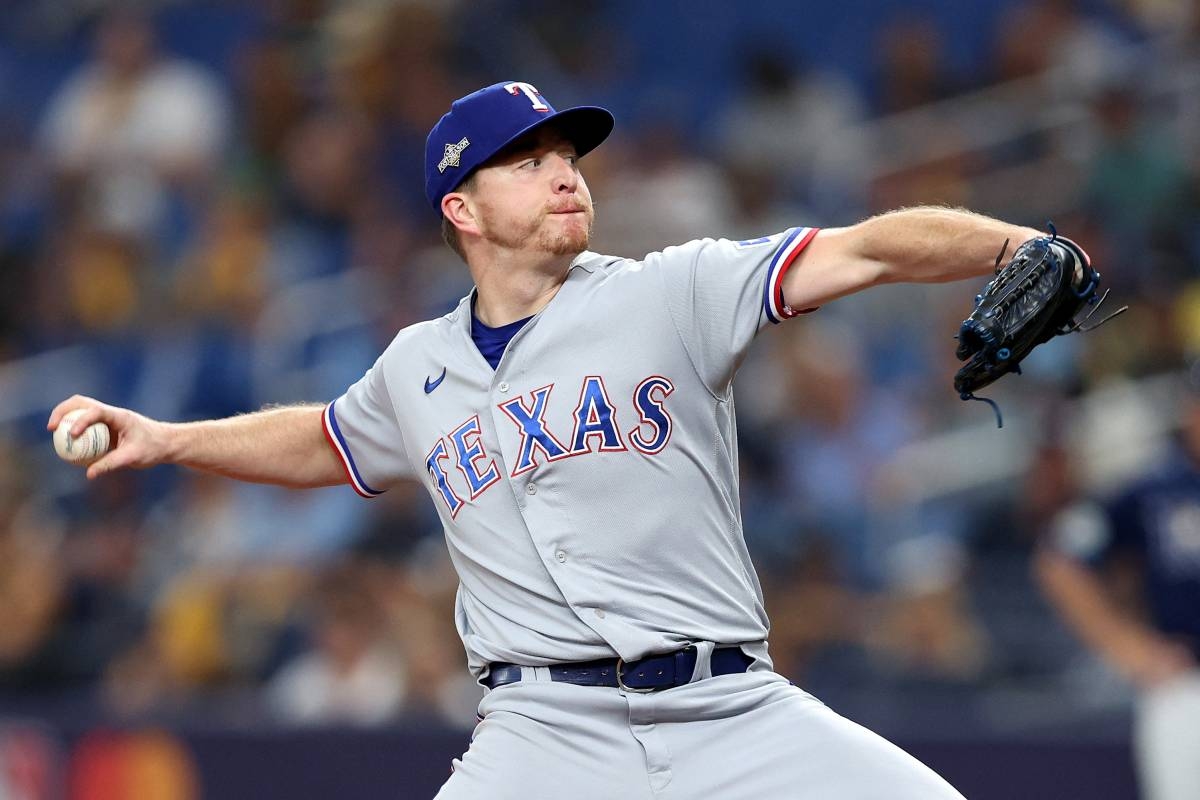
<point>989,401</point>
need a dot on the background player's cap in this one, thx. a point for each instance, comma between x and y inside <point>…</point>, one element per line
<point>481,124</point>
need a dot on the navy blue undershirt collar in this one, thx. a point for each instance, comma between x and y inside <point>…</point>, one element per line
<point>492,341</point>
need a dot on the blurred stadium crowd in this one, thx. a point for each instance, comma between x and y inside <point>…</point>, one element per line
<point>209,207</point>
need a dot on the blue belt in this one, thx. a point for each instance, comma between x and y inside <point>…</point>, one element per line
<point>649,674</point>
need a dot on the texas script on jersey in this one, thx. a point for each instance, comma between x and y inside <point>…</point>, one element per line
<point>596,430</point>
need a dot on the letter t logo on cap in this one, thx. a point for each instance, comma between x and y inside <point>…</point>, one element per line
<point>530,91</point>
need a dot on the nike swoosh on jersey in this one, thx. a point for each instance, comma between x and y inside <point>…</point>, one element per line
<point>431,385</point>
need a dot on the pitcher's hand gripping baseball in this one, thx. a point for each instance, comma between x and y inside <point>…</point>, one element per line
<point>1033,298</point>
<point>135,441</point>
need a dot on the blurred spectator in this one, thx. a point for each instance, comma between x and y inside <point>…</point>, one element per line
<point>838,437</point>
<point>1074,51</point>
<point>920,158</point>
<point>661,177</point>
<point>1150,631</point>
<point>1002,528</point>
<point>922,626</point>
<point>1172,24</point>
<point>395,68</point>
<point>399,527</point>
<point>32,579</point>
<point>99,616</point>
<point>132,133</point>
<point>912,70</point>
<point>195,528</point>
<point>326,179</point>
<point>223,278</point>
<point>210,630</point>
<point>582,45</point>
<point>1136,182</point>
<point>938,168</point>
<point>353,674</point>
<point>764,201</point>
<point>419,598</point>
<point>790,133</point>
<point>107,285</point>
<point>1162,16</point>
<point>271,101</point>
<point>812,608</point>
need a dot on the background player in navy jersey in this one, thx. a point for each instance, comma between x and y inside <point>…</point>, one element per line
<point>1150,528</point>
<point>573,422</point>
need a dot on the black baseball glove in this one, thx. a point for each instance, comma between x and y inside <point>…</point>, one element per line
<point>1033,298</point>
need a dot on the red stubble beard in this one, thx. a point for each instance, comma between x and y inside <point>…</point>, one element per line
<point>557,234</point>
<point>568,235</point>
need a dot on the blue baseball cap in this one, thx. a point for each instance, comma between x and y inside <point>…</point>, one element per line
<point>483,123</point>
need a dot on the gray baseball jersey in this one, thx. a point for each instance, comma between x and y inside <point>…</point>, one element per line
<point>588,486</point>
<point>589,492</point>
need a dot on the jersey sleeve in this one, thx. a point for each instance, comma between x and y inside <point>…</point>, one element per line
<point>721,293</point>
<point>361,427</point>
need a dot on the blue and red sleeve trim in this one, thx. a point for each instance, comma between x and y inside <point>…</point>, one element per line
<point>338,442</point>
<point>773,304</point>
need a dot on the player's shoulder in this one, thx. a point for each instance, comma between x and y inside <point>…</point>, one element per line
<point>684,250</point>
<point>599,265</point>
<point>722,247</point>
<point>602,266</point>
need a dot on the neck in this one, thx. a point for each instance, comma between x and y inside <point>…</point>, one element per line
<point>509,290</point>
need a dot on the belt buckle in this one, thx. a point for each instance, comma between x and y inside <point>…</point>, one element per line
<point>621,680</point>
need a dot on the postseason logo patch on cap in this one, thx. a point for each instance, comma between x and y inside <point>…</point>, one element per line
<point>451,157</point>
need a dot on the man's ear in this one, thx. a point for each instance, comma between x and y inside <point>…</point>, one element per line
<point>458,208</point>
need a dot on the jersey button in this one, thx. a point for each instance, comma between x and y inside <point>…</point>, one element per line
<point>503,387</point>
<point>530,488</point>
<point>600,613</point>
<point>561,555</point>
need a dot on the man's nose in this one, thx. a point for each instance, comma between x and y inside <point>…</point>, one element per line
<point>566,176</point>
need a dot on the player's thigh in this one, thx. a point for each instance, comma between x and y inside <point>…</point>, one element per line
<point>1165,741</point>
<point>544,742</point>
<point>795,747</point>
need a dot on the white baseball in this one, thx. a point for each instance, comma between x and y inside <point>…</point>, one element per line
<point>84,449</point>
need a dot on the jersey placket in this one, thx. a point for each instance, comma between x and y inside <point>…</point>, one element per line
<point>542,508</point>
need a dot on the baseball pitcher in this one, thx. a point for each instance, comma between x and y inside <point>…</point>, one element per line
<point>573,422</point>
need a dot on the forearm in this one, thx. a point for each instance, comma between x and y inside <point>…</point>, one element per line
<point>285,446</point>
<point>920,245</point>
<point>933,245</point>
<point>1081,600</point>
